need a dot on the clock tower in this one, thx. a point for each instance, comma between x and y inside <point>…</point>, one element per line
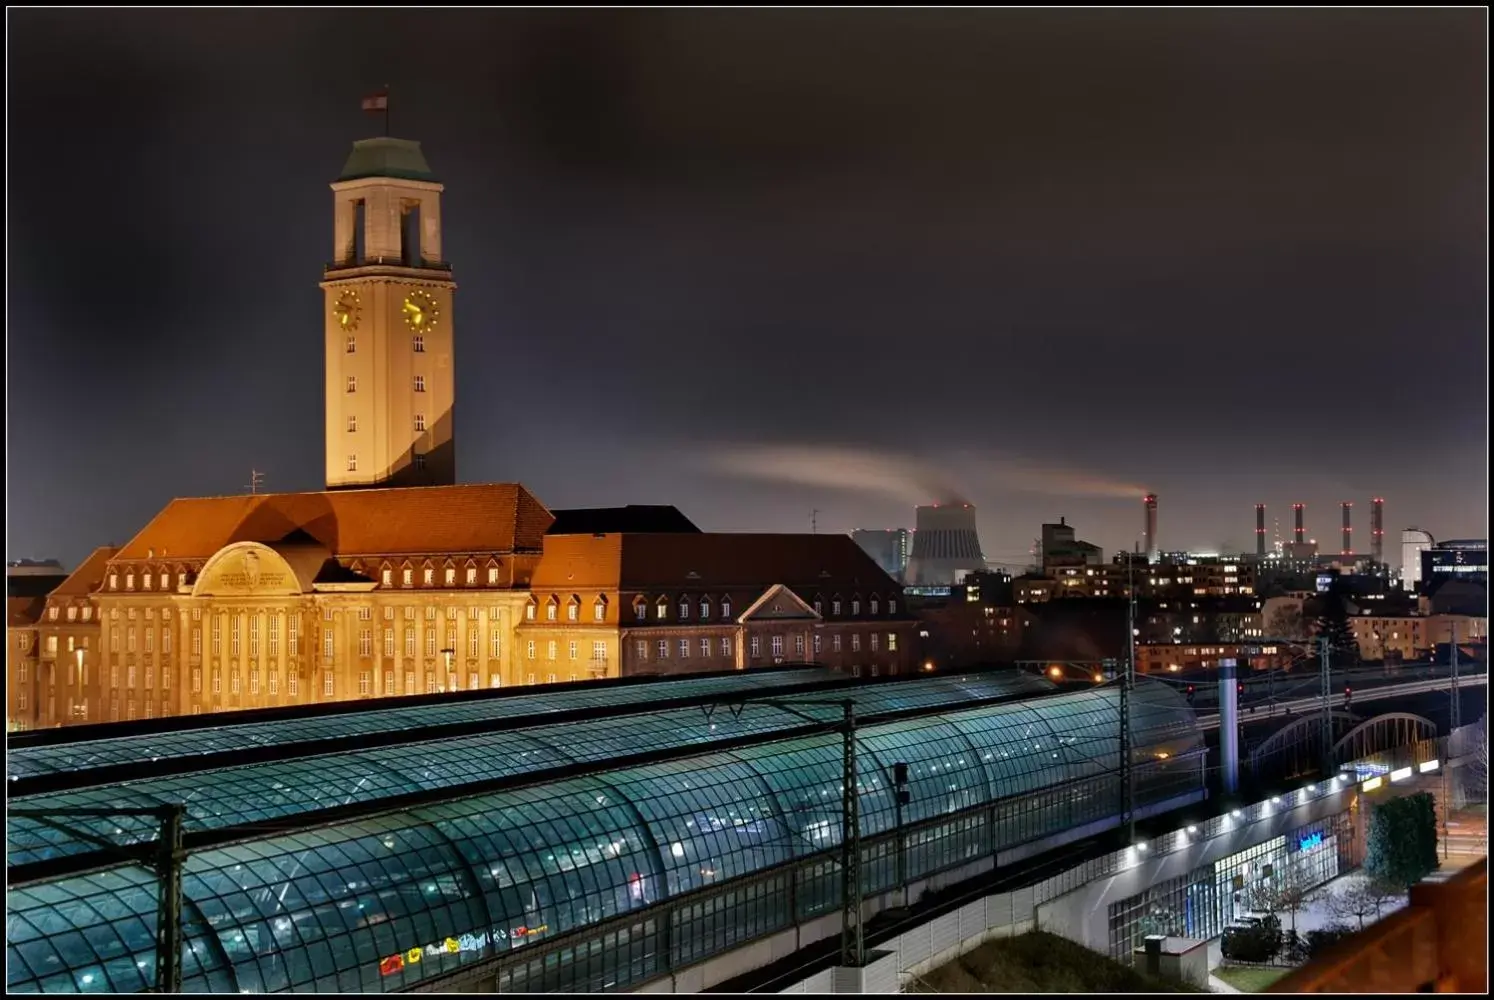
<point>390,367</point>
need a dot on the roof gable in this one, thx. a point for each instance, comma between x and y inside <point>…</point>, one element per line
<point>779,603</point>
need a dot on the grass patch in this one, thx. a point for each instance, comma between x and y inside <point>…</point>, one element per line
<point>1250,979</point>
<point>1039,962</point>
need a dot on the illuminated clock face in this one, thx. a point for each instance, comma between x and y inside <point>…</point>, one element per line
<point>420,311</point>
<point>346,310</point>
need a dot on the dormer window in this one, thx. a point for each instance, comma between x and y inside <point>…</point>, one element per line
<point>551,610</point>
<point>835,606</point>
<point>471,575</point>
<point>492,576</point>
<point>87,613</point>
<point>819,605</point>
<point>529,612</point>
<point>428,576</point>
<point>705,609</point>
<point>129,581</point>
<point>145,581</point>
<point>874,605</point>
<point>387,577</point>
<point>599,610</point>
<point>451,576</point>
<point>640,609</point>
<point>661,610</point>
<point>407,576</point>
<point>726,607</point>
<point>855,606</point>
<point>684,608</point>
<point>52,613</point>
<point>165,581</point>
<point>891,607</point>
<point>113,581</point>
<point>573,610</point>
<point>72,614</point>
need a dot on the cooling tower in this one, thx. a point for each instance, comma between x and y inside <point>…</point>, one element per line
<point>945,545</point>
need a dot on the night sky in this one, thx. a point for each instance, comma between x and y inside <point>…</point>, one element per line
<point>755,264</point>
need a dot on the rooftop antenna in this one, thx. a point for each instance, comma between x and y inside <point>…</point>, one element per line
<point>814,521</point>
<point>256,480</point>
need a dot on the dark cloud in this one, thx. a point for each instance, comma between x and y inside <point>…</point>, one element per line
<point>1232,256</point>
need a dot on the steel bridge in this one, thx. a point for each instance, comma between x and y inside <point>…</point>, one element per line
<point>1297,748</point>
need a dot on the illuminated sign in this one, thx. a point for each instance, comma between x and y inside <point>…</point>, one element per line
<point>452,946</point>
<point>1310,841</point>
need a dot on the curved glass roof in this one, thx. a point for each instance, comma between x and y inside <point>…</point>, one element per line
<point>235,796</point>
<point>53,758</point>
<point>385,902</point>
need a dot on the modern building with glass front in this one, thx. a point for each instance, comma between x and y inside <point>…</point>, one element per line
<point>548,839</point>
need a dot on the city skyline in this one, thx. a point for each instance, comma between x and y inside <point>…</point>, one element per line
<point>826,292</point>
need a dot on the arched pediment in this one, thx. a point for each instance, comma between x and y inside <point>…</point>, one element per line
<point>252,568</point>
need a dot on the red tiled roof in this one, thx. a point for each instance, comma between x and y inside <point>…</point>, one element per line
<point>89,574</point>
<point>727,560</point>
<point>21,612</point>
<point>491,517</point>
<point>649,562</point>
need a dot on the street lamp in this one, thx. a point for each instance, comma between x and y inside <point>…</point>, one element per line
<point>447,654</point>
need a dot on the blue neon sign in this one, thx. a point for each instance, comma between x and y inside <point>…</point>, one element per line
<point>1310,841</point>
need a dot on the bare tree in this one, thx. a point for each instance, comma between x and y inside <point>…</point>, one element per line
<point>1286,623</point>
<point>1287,893</point>
<point>1361,898</point>
<point>1477,782</point>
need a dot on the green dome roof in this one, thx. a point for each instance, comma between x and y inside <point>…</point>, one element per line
<point>386,157</point>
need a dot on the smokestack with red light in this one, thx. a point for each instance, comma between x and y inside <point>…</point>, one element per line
<point>1377,529</point>
<point>1149,526</point>
<point>1260,529</point>
<point>1348,509</point>
<point>1299,533</point>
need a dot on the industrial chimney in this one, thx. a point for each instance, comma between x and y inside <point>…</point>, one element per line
<point>1149,526</point>
<point>1377,529</point>
<point>1299,533</point>
<point>1348,509</point>
<point>1260,530</point>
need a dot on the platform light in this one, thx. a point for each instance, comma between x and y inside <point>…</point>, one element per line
<point>1192,828</point>
<point>1429,765</point>
<point>1140,845</point>
<point>1276,800</point>
<point>1311,789</point>
<point>1236,813</point>
<point>1373,783</point>
<point>1400,774</point>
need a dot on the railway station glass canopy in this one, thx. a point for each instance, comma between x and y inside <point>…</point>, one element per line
<point>395,898</point>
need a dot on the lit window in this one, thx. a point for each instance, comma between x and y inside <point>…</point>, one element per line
<point>471,575</point>
<point>663,649</point>
<point>684,649</point>
<point>662,609</point>
<point>817,644</point>
<point>428,576</point>
<point>492,576</point>
<point>407,577</point>
<point>778,645</point>
<point>529,613</point>
<point>550,610</point>
<point>726,646</point>
<point>550,649</point>
<point>573,612</point>
<point>684,610</point>
<point>756,645</point>
<point>352,344</point>
<point>575,650</point>
<point>599,610</point>
<point>705,647</point>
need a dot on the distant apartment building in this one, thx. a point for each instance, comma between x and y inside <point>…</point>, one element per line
<point>888,548</point>
<point>1184,658</point>
<point>1464,559</point>
<point>1409,638</point>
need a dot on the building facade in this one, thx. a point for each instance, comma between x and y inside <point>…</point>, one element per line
<point>889,548</point>
<point>690,603</point>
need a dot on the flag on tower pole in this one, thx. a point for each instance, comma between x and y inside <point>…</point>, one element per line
<point>379,102</point>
